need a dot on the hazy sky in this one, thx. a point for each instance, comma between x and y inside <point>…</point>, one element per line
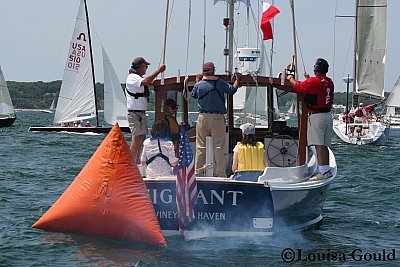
<point>35,36</point>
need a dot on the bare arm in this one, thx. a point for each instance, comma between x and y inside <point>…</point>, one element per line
<point>236,84</point>
<point>149,79</point>
<point>235,161</point>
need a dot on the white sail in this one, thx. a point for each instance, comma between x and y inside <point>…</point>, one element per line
<point>76,100</point>
<point>393,99</point>
<point>6,106</point>
<point>292,109</point>
<point>53,104</point>
<point>114,96</point>
<point>256,102</point>
<point>371,47</point>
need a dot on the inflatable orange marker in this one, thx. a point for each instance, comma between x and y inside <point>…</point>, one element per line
<point>108,199</point>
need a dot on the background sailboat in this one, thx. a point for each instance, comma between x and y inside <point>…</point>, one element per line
<point>114,95</point>
<point>52,106</point>
<point>292,109</point>
<point>391,118</point>
<point>77,97</point>
<point>7,113</point>
<point>369,61</point>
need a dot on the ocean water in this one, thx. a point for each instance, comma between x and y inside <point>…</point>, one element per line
<point>361,225</point>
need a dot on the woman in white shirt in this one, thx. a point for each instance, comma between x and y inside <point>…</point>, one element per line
<point>158,154</point>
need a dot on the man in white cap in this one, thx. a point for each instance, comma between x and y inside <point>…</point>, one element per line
<point>210,93</point>
<point>137,94</point>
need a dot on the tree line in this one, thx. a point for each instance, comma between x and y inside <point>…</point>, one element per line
<point>39,95</point>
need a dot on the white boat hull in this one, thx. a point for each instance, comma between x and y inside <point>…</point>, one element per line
<point>283,198</point>
<point>360,133</point>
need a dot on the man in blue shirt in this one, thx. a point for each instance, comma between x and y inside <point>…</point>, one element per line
<point>210,94</point>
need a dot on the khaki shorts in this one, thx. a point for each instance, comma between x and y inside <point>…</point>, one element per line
<point>137,123</point>
<point>320,129</point>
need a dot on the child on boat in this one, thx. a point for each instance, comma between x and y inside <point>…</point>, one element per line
<point>248,156</point>
<point>158,154</point>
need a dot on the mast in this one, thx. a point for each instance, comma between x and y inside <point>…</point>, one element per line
<point>231,8</point>
<point>355,96</point>
<point>165,37</point>
<point>294,40</point>
<point>91,62</point>
<point>230,27</point>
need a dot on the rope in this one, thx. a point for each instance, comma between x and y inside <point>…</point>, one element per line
<point>301,53</point>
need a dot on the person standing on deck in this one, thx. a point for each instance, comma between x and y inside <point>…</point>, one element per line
<point>318,98</point>
<point>137,93</point>
<point>210,94</point>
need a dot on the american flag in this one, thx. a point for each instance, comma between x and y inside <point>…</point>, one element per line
<point>186,186</point>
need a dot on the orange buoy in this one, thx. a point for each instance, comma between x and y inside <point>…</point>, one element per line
<point>108,198</point>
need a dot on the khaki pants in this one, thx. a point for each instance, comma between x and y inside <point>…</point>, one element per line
<point>211,125</point>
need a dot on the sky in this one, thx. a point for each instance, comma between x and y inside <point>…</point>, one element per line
<point>35,36</point>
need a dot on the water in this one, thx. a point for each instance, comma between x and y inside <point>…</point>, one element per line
<point>361,211</point>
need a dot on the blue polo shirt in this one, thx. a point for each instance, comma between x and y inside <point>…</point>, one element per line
<point>211,95</point>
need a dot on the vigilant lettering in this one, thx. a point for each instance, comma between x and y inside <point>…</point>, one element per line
<point>209,197</point>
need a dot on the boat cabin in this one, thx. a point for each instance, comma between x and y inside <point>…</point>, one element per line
<point>288,143</point>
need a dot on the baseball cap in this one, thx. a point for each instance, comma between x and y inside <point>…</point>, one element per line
<point>209,66</point>
<point>171,103</point>
<point>247,128</point>
<point>139,60</point>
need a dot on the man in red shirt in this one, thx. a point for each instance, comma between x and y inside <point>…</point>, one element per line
<point>318,98</point>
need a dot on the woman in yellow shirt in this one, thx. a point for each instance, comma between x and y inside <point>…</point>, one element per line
<point>248,156</point>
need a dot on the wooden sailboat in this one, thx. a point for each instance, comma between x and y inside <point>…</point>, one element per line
<point>369,62</point>
<point>77,97</point>
<point>7,113</point>
<point>282,197</point>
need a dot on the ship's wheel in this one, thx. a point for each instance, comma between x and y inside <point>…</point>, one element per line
<point>282,151</point>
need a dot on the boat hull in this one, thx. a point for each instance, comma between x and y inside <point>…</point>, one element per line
<point>393,131</point>
<point>226,207</point>
<point>7,122</point>
<point>371,133</point>
<point>75,129</point>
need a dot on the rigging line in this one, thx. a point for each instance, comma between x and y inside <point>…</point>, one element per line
<point>347,56</point>
<point>204,31</point>
<point>334,40</point>
<point>185,91</point>
<point>259,41</point>
<point>188,36</point>
<point>272,46</point>
<point>301,53</point>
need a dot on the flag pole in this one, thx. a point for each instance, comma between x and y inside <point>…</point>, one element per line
<point>165,39</point>
<point>294,40</point>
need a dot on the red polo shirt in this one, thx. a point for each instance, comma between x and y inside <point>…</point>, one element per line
<point>313,85</point>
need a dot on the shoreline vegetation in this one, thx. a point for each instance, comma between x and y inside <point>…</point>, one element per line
<point>39,95</point>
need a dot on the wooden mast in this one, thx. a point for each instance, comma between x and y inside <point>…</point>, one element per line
<point>301,118</point>
<point>91,62</point>
<point>165,37</point>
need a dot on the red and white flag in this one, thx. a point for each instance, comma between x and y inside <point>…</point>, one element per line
<point>269,12</point>
<point>186,185</point>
